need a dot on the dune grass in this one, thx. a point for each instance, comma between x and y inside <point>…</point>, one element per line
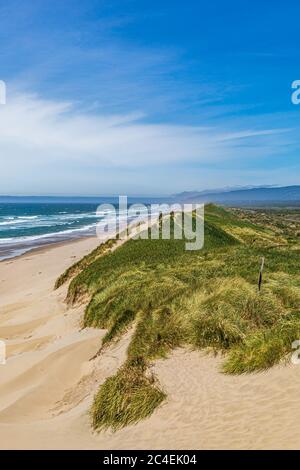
<point>201,299</point>
<point>82,264</point>
<point>264,348</point>
<point>223,315</point>
<point>126,398</point>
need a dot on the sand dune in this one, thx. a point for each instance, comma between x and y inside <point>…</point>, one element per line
<point>48,382</point>
<point>21,346</point>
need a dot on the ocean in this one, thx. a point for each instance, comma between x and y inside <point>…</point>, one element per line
<point>28,223</point>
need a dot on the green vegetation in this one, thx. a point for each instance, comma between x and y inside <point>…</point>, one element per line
<point>208,299</point>
<point>84,262</point>
<point>126,398</point>
<point>264,348</point>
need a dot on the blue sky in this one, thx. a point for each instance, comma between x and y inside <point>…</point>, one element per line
<point>147,97</point>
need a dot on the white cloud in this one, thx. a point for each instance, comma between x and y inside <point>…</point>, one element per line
<point>44,140</point>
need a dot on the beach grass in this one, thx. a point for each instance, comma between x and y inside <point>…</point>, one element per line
<point>126,398</point>
<point>264,348</point>
<point>206,299</point>
<point>76,268</point>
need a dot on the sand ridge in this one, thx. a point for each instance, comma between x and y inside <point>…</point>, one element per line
<point>48,382</point>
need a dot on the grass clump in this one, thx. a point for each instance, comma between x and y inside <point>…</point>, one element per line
<point>265,348</point>
<point>134,291</point>
<point>156,333</point>
<point>221,315</point>
<point>287,289</point>
<point>127,397</point>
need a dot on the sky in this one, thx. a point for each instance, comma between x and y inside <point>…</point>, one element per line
<point>137,97</point>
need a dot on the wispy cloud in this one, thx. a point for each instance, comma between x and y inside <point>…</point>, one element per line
<point>40,136</point>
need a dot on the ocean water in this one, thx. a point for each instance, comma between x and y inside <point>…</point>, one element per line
<point>29,223</point>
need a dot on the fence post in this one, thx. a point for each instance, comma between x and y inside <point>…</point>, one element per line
<point>261,273</point>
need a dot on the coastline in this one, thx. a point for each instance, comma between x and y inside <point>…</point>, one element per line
<point>14,247</point>
<point>51,245</point>
<point>49,380</point>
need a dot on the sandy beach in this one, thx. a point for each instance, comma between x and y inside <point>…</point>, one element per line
<point>49,380</point>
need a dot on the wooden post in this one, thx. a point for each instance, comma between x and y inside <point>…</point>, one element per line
<point>261,273</point>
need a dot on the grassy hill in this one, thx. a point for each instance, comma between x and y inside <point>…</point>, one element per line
<point>206,299</point>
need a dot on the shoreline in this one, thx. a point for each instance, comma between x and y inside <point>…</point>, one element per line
<point>39,247</point>
<point>49,246</point>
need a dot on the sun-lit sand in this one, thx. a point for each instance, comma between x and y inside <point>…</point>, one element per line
<point>48,382</point>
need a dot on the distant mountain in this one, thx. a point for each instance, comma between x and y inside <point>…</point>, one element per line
<point>262,196</point>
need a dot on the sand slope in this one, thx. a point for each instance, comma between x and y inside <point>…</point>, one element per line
<point>47,385</point>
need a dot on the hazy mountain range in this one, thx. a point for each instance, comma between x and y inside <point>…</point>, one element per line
<point>249,196</point>
<point>241,196</point>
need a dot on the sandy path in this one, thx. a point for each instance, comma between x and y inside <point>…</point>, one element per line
<point>47,384</point>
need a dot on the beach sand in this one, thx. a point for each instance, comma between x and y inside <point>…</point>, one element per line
<point>48,382</point>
